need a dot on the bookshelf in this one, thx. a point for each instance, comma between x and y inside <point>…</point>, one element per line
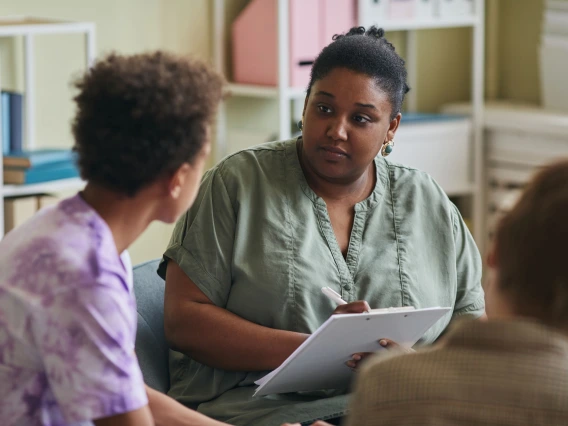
<point>27,28</point>
<point>471,185</point>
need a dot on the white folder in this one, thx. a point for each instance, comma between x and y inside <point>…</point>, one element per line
<point>319,363</point>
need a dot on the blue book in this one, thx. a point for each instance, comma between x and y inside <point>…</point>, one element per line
<point>46,174</point>
<point>38,158</point>
<point>5,99</point>
<point>16,121</point>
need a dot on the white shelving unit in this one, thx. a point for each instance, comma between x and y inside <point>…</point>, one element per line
<point>284,94</point>
<point>511,154</point>
<point>28,27</point>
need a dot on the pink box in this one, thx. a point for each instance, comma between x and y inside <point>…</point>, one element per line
<point>312,25</point>
<point>338,18</point>
<point>305,24</point>
<point>255,41</point>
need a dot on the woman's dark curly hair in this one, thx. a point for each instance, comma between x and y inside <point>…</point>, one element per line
<point>367,52</point>
<point>140,117</point>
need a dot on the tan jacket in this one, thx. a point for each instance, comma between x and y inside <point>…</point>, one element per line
<point>483,373</point>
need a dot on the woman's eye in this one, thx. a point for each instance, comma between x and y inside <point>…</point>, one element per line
<point>360,119</point>
<point>323,108</point>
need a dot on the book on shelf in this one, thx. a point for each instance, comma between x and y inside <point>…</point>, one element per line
<point>17,210</point>
<point>62,170</point>
<point>5,99</point>
<point>45,200</point>
<point>12,121</point>
<point>38,158</point>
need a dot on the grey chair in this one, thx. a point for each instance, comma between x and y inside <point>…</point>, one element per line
<point>151,347</point>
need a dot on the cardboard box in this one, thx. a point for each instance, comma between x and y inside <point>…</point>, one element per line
<point>18,210</point>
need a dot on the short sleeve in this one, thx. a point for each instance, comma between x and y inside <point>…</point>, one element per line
<point>470,298</point>
<point>203,239</point>
<point>85,338</point>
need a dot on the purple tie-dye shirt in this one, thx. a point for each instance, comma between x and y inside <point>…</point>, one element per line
<point>67,322</point>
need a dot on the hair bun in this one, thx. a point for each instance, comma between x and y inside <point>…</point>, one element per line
<point>375,31</point>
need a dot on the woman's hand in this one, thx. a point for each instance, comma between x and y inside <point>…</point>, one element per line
<point>388,344</point>
<point>357,307</point>
<point>395,347</point>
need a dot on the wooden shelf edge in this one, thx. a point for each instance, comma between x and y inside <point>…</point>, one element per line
<point>258,91</point>
<point>27,25</point>
<point>44,187</point>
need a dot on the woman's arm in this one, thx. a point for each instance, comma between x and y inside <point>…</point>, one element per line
<point>160,411</point>
<point>216,337</point>
<point>168,412</point>
<point>139,417</point>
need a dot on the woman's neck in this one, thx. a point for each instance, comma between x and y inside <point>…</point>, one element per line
<point>127,217</point>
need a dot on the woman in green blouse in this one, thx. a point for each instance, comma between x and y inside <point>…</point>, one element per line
<point>275,223</point>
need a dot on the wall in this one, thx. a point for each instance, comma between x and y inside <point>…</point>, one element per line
<point>126,26</point>
<point>518,40</point>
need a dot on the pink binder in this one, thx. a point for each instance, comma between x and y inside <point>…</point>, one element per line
<point>312,25</point>
<point>305,25</point>
<point>254,42</point>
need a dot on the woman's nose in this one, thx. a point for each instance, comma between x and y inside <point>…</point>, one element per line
<point>337,129</point>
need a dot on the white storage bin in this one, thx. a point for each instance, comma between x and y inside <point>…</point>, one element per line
<point>439,148</point>
<point>523,149</point>
<point>425,9</point>
<point>373,12</point>
<point>445,8</point>
<point>402,9</point>
<point>553,72</point>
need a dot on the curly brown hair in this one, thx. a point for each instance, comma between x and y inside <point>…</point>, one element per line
<point>140,117</point>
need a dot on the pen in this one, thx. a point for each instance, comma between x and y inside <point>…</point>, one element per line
<point>333,295</point>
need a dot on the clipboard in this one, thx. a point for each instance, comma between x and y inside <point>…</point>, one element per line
<point>319,362</point>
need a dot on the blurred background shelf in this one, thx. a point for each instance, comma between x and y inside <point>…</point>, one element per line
<point>27,28</point>
<point>259,91</point>
<point>28,25</point>
<point>55,186</point>
<point>518,139</point>
<point>429,24</point>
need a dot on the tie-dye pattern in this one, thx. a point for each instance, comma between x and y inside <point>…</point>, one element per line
<point>67,322</point>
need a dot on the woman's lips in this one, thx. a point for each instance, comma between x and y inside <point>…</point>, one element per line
<point>333,153</point>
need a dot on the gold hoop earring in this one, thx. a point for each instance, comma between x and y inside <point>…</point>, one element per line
<point>387,148</point>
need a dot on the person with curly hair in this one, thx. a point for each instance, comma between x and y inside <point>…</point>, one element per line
<point>67,308</point>
<point>275,223</point>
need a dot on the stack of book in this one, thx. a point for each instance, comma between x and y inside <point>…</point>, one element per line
<point>12,111</point>
<point>26,167</point>
<point>554,55</point>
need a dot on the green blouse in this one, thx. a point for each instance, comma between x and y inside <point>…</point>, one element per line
<point>259,243</point>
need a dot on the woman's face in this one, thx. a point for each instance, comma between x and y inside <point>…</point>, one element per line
<point>347,118</point>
